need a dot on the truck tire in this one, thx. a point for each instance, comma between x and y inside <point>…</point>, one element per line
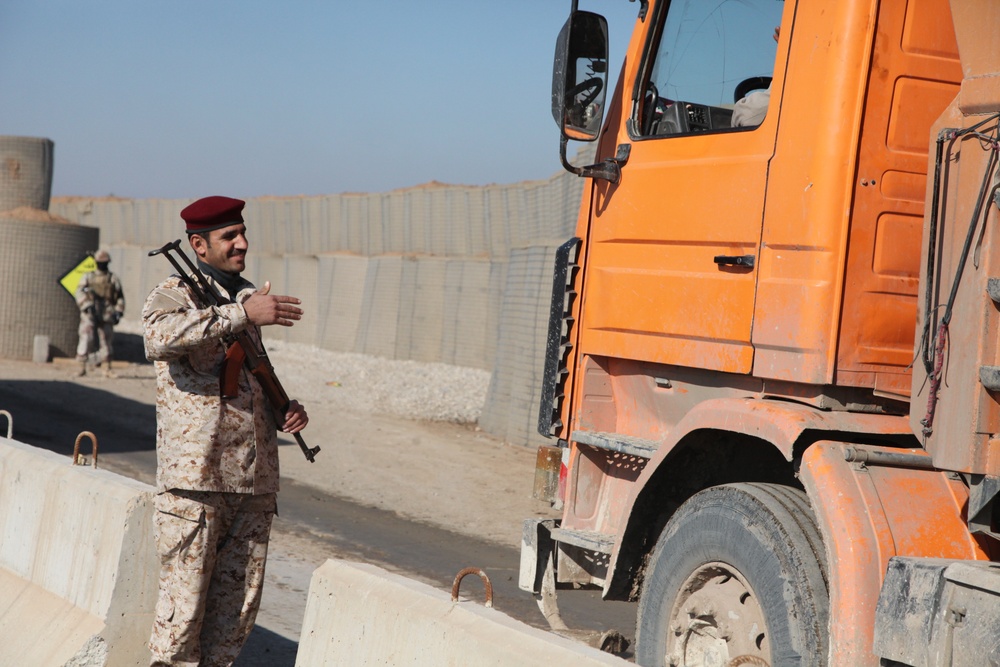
<point>738,577</point>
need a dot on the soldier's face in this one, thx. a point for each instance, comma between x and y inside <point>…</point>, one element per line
<point>225,249</point>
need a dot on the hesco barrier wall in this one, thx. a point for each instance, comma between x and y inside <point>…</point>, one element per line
<point>511,409</point>
<point>33,255</point>
<point>453,274</point>
<point>25,172</point>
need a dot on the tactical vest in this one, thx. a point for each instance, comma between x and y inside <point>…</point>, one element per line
<point>102,286</point>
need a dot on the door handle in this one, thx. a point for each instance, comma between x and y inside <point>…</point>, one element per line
<point>735,260</point>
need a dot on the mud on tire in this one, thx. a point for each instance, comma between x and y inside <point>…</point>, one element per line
<point>738,572</point>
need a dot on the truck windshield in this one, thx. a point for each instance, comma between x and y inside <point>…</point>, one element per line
<point>710,57</point>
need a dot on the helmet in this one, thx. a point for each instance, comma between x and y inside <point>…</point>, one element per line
<point>102,256</point>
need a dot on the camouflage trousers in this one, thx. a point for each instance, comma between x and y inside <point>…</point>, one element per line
<point>212,549</point>
<point>93,336</point>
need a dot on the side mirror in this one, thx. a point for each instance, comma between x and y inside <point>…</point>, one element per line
<point>580,76</point>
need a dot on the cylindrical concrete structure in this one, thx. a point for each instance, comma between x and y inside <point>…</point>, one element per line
<point>25,172</point>
<point>34,254</point>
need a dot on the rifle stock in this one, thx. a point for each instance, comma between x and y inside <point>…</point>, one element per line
<point>244,352</point>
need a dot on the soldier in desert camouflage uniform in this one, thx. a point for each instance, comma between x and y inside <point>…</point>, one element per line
<point>102,304</point>
<point>217,458</point>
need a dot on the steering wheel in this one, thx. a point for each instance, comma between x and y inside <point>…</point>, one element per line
<point>589,88</point>
<point>747,85</point>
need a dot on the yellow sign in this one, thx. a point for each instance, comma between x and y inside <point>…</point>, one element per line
<point>72,278</point>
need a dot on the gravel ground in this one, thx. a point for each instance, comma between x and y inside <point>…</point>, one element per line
<point>364,384</point>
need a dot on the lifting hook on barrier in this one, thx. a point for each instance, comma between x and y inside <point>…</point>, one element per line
<point>486,584</point>
<point>79,460</point>
<point>10,423</point>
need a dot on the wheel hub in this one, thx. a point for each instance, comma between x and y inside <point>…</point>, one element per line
<point>717,621</point>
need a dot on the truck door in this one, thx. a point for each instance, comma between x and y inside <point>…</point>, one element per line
<point>672,246</point>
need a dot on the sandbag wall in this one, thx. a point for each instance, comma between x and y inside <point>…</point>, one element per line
<point>423,273</point>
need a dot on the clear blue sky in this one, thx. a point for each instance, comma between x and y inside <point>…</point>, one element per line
<point>183,98</point>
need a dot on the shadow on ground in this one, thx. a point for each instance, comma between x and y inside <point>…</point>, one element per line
<point>51,414</point>
<point>267,649</point>
<point>128,347</point>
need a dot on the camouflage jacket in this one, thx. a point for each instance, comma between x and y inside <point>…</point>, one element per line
<point>101,292</point>
<point>203,441</point>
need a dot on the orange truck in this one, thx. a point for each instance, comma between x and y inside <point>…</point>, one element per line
<point>772,371</point>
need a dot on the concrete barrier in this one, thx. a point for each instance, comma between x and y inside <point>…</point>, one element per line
<point>359,614</point>
<point>78,570</point>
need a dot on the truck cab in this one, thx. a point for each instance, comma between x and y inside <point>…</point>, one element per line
<point>744,381</point>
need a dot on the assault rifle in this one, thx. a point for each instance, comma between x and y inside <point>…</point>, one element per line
<point>244,352</point>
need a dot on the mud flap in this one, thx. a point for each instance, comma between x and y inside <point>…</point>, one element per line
<point>537,572</point>
<point>537,548</point>
<point>538,576</point>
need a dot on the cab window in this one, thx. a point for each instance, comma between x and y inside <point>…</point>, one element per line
<point>709,67</point>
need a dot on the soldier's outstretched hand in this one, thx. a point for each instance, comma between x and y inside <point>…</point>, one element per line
<point>263,308</point>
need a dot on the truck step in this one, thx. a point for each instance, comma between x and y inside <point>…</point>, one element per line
<point>990,377</point>
<point>993,289</point>
<point>586,539</point>
<point>617,442</point>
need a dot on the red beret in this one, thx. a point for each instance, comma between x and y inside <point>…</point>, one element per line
<point>214,212</point>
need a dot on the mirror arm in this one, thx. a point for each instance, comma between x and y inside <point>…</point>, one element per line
<point>608,170</point>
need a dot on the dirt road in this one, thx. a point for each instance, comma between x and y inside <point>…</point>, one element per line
<point>422,498</point>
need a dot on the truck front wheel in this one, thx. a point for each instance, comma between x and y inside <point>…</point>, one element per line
<point>738,577</point>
